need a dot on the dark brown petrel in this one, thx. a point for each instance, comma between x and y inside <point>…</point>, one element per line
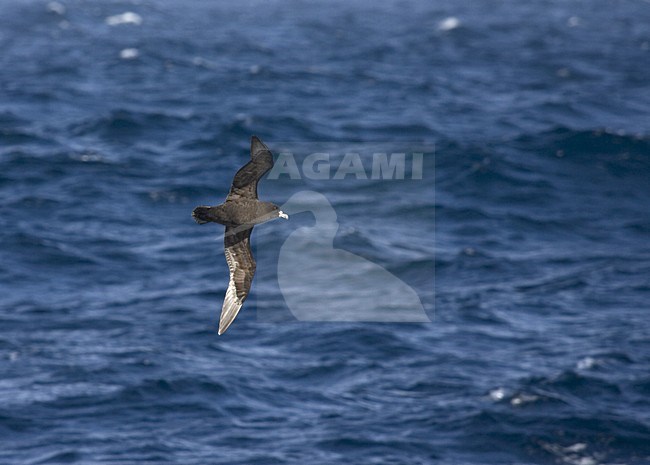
<point>239,213</point>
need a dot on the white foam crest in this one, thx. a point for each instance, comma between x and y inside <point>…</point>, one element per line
<point>497,394</point>
<point>128,17</point>
<point>448,24</point>
<point>129,54</point>
<point>586,363</point>
<point>56,7</point>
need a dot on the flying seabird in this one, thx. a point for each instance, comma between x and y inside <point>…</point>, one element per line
<point>239,213</point>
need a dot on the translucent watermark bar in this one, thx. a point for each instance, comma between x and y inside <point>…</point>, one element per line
<point>321,274</point>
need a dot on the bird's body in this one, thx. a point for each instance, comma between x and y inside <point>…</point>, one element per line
<point>239,213</point>
<point>236,213</point>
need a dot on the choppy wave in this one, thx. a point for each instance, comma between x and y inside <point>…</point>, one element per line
<point>526,239</point>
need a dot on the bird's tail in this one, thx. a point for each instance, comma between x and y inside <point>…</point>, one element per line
<point>202,215</point>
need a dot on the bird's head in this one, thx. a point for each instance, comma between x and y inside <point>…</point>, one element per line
<point>269,211</point>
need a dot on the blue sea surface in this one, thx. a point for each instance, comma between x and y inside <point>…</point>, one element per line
<point>527,238</point>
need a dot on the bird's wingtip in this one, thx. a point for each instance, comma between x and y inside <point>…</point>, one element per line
<point>224,324</point>
<point>257,145</point>
<point>222,328</point>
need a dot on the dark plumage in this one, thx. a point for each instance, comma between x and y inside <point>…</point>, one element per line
<point>239,213</point>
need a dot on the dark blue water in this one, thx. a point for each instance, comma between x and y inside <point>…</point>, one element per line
<point>534,217</point>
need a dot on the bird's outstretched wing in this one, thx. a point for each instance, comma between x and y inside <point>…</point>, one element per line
<point>245,181</point>
<point>242,269</point>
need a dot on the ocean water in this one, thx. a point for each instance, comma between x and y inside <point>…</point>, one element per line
<point>527,239</point>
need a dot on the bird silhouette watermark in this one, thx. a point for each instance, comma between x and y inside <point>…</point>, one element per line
<point>321,282</point>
